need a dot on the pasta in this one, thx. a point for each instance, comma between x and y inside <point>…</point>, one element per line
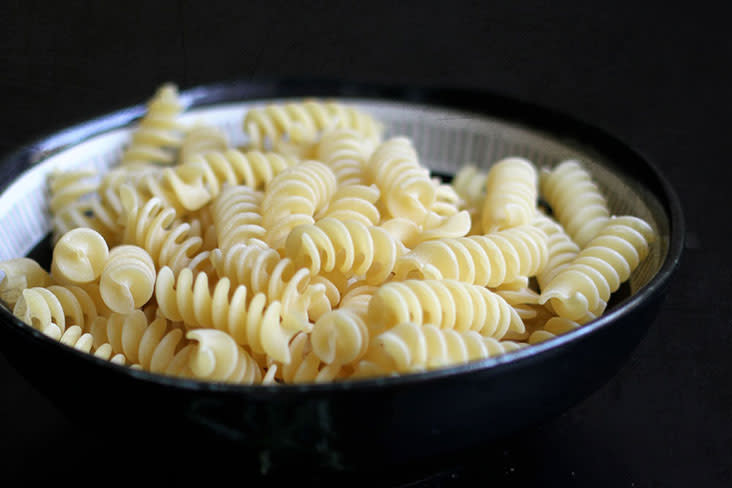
<point>315,252</point>
<point>576,200</point>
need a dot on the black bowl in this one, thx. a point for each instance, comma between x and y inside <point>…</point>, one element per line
<point>354,424</point>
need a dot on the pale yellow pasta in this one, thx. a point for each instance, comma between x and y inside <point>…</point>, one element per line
<point>202,138</point>
<point>353,202</point>
<point>345,151</point>
<point>20,274</point>
<point>560,247</point>
<point>489,260</point>
<point>575,200</point>
<point>349,247</point>
<point>341,336</point>
<point>190,300</point>
<point>410,347</point>
<point>217,357</point>
<point>294,197</point>
<point>128,279</point>
<point>303,122</point>
<point>254,169</point>
<point>237,215</point>
<point>510,195</point>
<point>580,291</point>
<point>554,326</point>
<point>305,366</point>
<point>406,188</point>
<point>51,310</point>
<point>68,187</point>
<point>448,304</point>
<point>79,256</point>
<point>469,184</point>
<point>159,133</point>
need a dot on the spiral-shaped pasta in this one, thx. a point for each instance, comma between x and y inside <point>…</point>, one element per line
<point>217,357</point>
<point>153,345</point>
<point>128,278</point>
<point>303,122</point>
<point>189,299</point>
<point>346,152</point>
<point>75,337</point>
<point>305,366</point>
<point>293,198</point>
<point>159,133</point>
<point>448,304</point>
<point>469,183</point>
<point>349,247</point>
<point>341,336</point>
<point>575,200</point>
<point>51,310</point>
<point>79,256</point>
<point>410,347</point>
<point>202,138</point>
<point>152,227</point>
<point>406,187</point>
<point>354,202</point>
<point>489,260</point>
<point>19,274</point>
<point>68,187</point>
<point>511,192</point>
<point>553,327</point>
<point>254,169</point>
<point>580,291</point>
<point>237,215</point>
<point>560,247</point>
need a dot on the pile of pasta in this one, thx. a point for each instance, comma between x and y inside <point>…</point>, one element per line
<point>317,252</point>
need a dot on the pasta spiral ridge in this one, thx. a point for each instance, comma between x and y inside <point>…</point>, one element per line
<point>581,290</point>
<point>154,345</point>
<point>202,138</point>
<point>561,249</point>
<point>448,304</point>
<point>349,247</point>
<point>128,278</point>
<point>294,197</point>
<point>410,347</point>
<point>237,215</point>
<point>152,227</point>
<point>79,256</point>
<point>216,356</point>
<point>159,133</point>
<point>576,201</point>
<point>354,202</point>
<point>405,185</point>
<point>488,260</point>
<point>553,327</point>
<point>510,195</point>
<point>342,336</point>
<point>68,187</point>
<point>190,300</point>
<point>54,308</point>
<point>305,366</point>
<point>302,122</point>
<point>346,152</point>
<point>254,169</point>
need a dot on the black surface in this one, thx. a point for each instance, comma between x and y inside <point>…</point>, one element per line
<point>656,78</point>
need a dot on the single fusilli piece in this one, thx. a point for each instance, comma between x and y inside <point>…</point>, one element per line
<point>353,202</point>
<point>19,274</point>
<point>217,357</point>
<point>159,133</point>
<point>128,278</point>
<point>51,310</point>
<point>306,367</point>
<point>202,138</point>
<point>511,192</point>
<point>190,300</point>
<point>349,247</point>
<point>448,304</point>
<point>560,247</point>
<point>410,347</point>
<point>237,216</point>
<point>581,290</point>
<point>489,260</point>
<point>576,201</point>
<point>346,152</point>
<point>294,197</point>
<point>406,187</point>
<point>79,256</point>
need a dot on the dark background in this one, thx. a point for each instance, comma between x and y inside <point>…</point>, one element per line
<point>657,77</point>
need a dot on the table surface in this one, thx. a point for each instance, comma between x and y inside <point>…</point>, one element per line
<point>658,79</point>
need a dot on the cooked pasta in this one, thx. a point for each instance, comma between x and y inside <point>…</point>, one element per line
<point>448,304</point>
<point>128,278</point>
<point>575,200</point>
<point>333,255</point>
<point>511,192</point>
<point>79,256</point>
<point>410,347</point>
<point>581,290</point>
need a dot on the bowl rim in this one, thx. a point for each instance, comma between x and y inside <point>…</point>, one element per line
<point>499,106</point>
